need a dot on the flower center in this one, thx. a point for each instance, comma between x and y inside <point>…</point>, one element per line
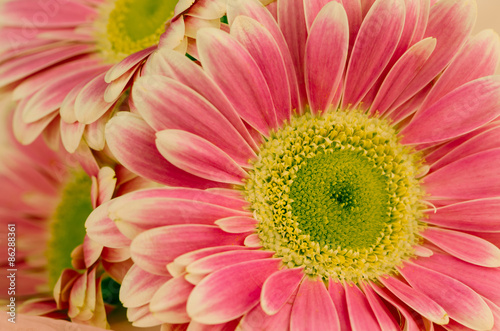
<point>67,228</point>
<point>133,25</point>
<point>338,195</point>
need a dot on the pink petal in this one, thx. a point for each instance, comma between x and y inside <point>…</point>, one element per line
<point>128,63</point>
<point>450,22</point>
<point>405,69</point>
<point>478,58</point>
<point>253,241</point>
<point>103,230</point>
<point>208,9</point>
<point>460,111</point>
<point>154,249</point>
<point>416,300</point>
<point>91,250</point>
<point>218,261</point>
<point>313,293</point>
<point>473,177</point>
<point>373,49</point>
<point>94,132</point>
<point>212,301</point>
<point>139,286</point>
<point>169,302</point>
<point>126,134</point>
<point>115,89</point>
<point>257,319</point>
<point>360,313</point>
<point>28,322</point>
<point>262,47</point>
<point>223,59</point>
<point>337,293</point>
<point>472,311</point>
<point>324,68</point>
<point>142,317</point>
<point>198,156</point>
<point>278,289</point>
<point>383,315</point>
<point>188,258</point>
<point>474,215</point>
<point>71,135</point>
<point>237,224</point>
<point>312,9</point>
<point>115,255</point>
<point>193,24</point>
<point>166,104</point>
<point>464,246</point>
<point>26,133</point>
<point>90,104</point>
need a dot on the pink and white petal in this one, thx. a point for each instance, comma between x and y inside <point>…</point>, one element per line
<point>229,326</point>
<point>29,322</point>
<point>103,230</point>
<point>384,317</point>
<point>77,296</point>
<point>90,104</point>
<point>474,215</point>
<point>152,250</point>
<point>253,241</point>
<point>213,302</point>
<point>237,224</point>
<point>115,255</point>
<point>257,319</point>
<point>38,306</point>
<point>472,312</point>
<point>208,9</point>
<point>416,300</point>
<point>473,177</point>
<point>185,259</point>
<point>422,251</point>
<point>266,53</point>
<point>422,19</point>
<point>278,289</point>
<point>464,246</point>
<point>373,49</point>
<point>71,135</point>
<point>255,10</point>
<point>198,156</point>
<point>126,134</point>
<point>324,68</point>
<point>337,293</point>
<point>91,251</point>
<point>312,9</point>
<point>292,23</point>
<point>67,109</point>
<point>107,182</point>
<point>478,58</point>
<point>460,111</point>
<point>223,58</point>
<point>405,69</point>
<point>166,104</point>
<point>142,317</point>
<point>313,293</point>
<point>26,133</point>
<point>218,261</point>
<point>450,22</point>
<point>117,271</point>
<point>86,159</point>
<point>169,302</point>
<point>128,63</point>
<point>115,89</point>
<point>361,315</point>
<point>94,132</point>
<point>193,24</point>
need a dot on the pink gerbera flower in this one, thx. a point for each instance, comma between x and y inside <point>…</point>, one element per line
<point>336,168</point>
<point>56,56</point>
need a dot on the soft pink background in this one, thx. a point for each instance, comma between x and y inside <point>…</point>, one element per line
<point>488,17</point>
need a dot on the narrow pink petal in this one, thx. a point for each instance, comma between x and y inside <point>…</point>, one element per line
<point>173,36</point>
<point>360,313</point>
<point>416,300</point>
<point>26,133</point>
<point>237,224</point>
<point>218,261</point>
<point>324,68</point>
<point>337,293</point>
<point>483,141</point>
<point>292,23</point>
<point>405,69</point>
<point>422,19</point>
<point>376,41</point>
<point>39,306</point>
<point>473,177</point>
<point>472,312</point>
<point>166,104</point>
<point>77,295</point>
<point>128,63</point>
<point>188,258</point>
<point>481,279</point>
<point>133,217</point>
<point>91,250</point>
<point>177,66</point>
<point>126,134</point>
<point>478,58</point>
<point>464,246</point>
<point>313,293</point>
<point>213,302</point>
<point>460,111</point>
<point>103,230</point>
<point>67,109</point>
<point>223,57</point>
<point>403,112</point>
<point>278,289</point>
<point>266,53</point>
<point>312,9</point>
<point>193,24</point>
<point>257,319</point>
<point>142,317</point>
<point>474,215</point>
<point>198,156</point>
<point>255,10</point>
<point>118,86</point>
<point>154,249</point>
<point>71,135</point>
<point>90,104</point>
<point>253,241</point>
<point>169,302</point>
<point>94,132</point>
<point>450,22</point>
<point>383,315</point>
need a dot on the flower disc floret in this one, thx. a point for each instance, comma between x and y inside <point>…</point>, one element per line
<point>338,195</point>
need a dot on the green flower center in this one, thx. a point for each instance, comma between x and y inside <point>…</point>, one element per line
<point>133,25</point>
<point>67,228</point>
<point>338,195</point>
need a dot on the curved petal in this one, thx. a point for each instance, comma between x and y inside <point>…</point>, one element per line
<point>139,286</point>
<point>90,104</point>
<point>128,63</point>
<point>360,313</point>
<point>278,289</point>
<point>169,302</point>
<point>383,315</point>
<point>103,230</point>
<point>220,260</point>
<point>337,293</point>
